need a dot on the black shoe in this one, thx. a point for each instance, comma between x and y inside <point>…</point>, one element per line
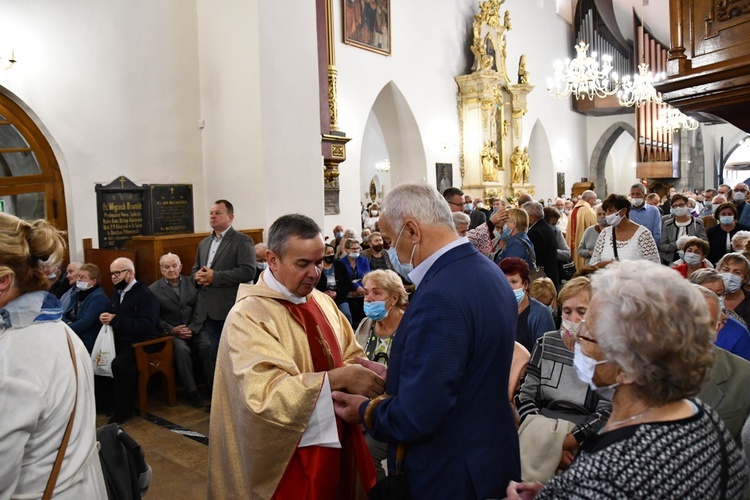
<point>196,399</point>
<point>120,419</point>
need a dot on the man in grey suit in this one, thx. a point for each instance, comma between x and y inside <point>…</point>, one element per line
<point>225,258</point>
<point>176,295</point>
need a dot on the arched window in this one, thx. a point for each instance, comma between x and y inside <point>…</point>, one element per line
<point>30,183</point>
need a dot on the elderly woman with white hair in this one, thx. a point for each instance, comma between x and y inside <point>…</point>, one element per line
<point>461,221</point>
<point>659,442</point>
<point>739,240</point>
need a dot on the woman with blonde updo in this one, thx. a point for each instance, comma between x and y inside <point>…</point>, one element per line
<point>385,298</point>
<point>41,385</point>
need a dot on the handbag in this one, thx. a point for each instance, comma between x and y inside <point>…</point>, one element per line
<point>535,272</point>
<point>614,242</point>
<point>394,486</point>
<point>50,488</point>
<point>104,352</point>
<point>566,410</point>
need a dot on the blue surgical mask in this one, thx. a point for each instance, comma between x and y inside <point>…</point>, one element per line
<point>714,206</point>
<point>519,293</point>
<point>354,255</point>
<point>339,235</point>
<point>726,220</point>
<point>585,367</point>
<point>468,207</point>
<point>376,310</point>
<point>692,259</point>
<point>506,232</point>
<point>732,282</point>
<point>411,257</point>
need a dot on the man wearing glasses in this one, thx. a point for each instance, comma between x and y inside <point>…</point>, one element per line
<point>134,316</point>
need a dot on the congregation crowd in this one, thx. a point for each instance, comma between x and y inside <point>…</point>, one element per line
<point>525,348</point>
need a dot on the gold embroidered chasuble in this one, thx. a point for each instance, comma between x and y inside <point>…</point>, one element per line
<point>264,391</point>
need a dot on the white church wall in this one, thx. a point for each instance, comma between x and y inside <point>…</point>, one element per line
<point>114,86</point>
<point>620,169</point>
<point>429,42</point>
<point>543,36</point>
<point>292,167</point>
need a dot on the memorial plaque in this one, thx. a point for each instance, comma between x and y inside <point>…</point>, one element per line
<point>171,209</point>
<point>123,212</point>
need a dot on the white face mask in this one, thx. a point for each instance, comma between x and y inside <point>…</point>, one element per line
<point>480,205</point>
<point>679,211</point>
<point>573,328</point>
<point>739,196</point>
<point>262,266</point>
<point>82,285</point>
<point>586,367</point>
<point>637,202</point>
<point>614,219</point>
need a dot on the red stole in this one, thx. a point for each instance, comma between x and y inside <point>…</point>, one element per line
<point>315,472</point>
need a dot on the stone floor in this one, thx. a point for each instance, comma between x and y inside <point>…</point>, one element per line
<point>179,463</point>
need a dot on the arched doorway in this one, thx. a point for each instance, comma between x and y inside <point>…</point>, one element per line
<point>391,133</point>
<point>31,186</point>
<point>598,163</point>
<point>542,165</point>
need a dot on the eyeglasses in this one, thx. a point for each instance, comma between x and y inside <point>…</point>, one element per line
<point>115,274</point>
<point>454,203</point>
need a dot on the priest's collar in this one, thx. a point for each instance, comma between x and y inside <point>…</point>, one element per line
<point>276,286</point>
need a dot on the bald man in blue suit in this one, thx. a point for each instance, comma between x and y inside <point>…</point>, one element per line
<point>447,378</point>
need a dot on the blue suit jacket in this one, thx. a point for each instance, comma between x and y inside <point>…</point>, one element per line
<point>744,217</point>
<point>448,375</point>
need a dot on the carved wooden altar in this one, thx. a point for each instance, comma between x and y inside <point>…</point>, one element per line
<point>491,107</point>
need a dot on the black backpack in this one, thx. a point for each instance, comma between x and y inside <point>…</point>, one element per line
<point>126,473</point>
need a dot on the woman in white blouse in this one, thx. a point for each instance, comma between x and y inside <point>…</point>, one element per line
<point>633,241</point>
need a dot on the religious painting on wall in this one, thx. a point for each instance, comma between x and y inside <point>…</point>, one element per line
<point>444,176</point>
<point>367,24</point>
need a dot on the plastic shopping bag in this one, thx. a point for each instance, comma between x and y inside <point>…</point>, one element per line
<point>104,352</point>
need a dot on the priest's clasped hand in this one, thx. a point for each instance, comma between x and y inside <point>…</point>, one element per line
<point>356,379</point>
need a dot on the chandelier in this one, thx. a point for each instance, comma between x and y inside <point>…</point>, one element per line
<point>640,90</point>
<point>583,76</point>
<point>674,120</point>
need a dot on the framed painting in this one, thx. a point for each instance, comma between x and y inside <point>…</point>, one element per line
<point>443,176</point>
<point>367,24</point>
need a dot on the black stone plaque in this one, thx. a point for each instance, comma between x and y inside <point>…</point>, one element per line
<point>171,209</point>
<point>123,212</point>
